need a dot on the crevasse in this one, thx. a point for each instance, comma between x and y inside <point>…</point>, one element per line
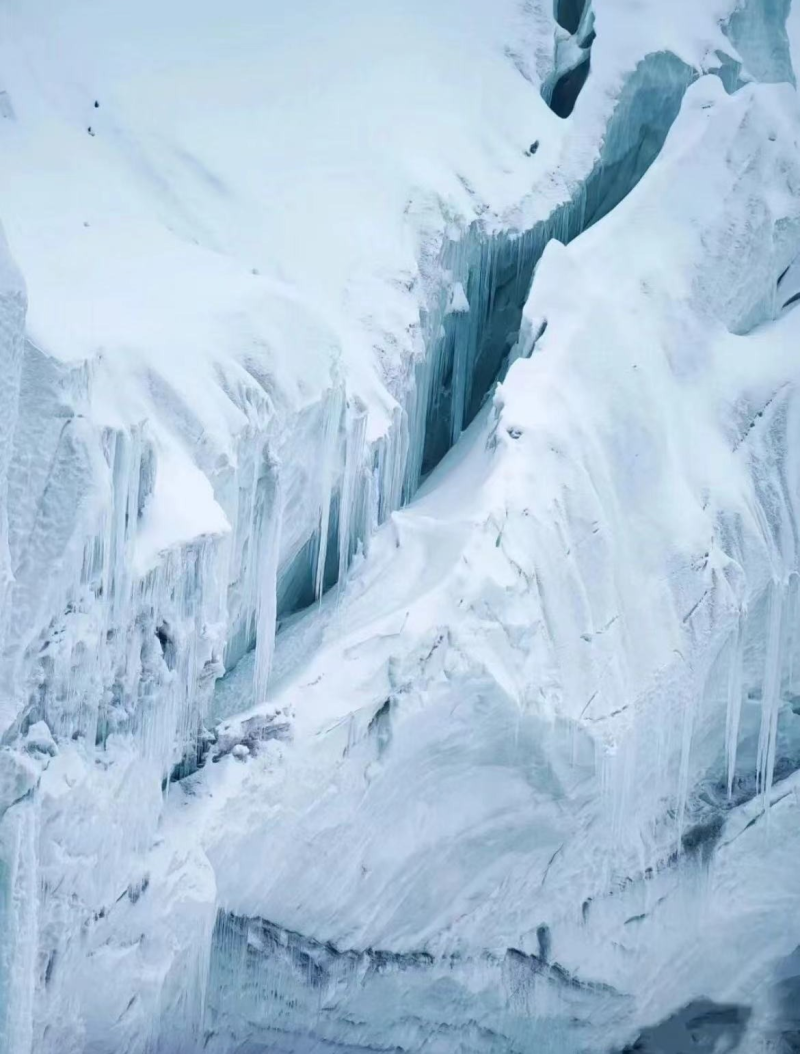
<point>636,722</point>
<point>115,647</point>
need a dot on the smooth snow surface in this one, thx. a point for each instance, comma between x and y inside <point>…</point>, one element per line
<point>399,518</point>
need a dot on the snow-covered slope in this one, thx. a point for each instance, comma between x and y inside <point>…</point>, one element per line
<point>524,780</point>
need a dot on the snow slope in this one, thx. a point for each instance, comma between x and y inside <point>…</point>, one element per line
<point>275,259</point>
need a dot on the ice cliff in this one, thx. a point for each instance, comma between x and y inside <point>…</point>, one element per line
<point>399,527</point>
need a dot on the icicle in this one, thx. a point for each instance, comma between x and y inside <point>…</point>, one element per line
<point>460,370</point>
<point>268,524</point>
<point>127,454</point>
<point>793,616</point>
<point>771,692</point>
<point>688,710</point>
<point>391,465</point>
<point>354,460</point>
<point>734,701</point>
<point>332,422</point>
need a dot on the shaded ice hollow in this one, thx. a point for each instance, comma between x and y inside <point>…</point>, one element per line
<point>399,527</point>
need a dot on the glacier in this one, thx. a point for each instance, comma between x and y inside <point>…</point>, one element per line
<point>399,527</point>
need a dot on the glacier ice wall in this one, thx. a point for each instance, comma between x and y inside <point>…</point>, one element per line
<point>12,322</point>
<point>597,594</point>
<point>17,774</point>
<point>550,802</point>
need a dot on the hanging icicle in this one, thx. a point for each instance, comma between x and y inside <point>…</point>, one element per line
<point>734,710</point>
<point>334,406</point>
<point>770,703</point>
<point>351,488</point>
<point>269,513</point>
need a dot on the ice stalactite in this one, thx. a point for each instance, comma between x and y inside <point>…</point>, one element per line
<point>125,458</point>
<point>108,639</point>
<point>389,470</point>
<point>351,501</point>
<point>243,578</point>
<point>734,701</point>
<point>770,702</point>
<point>269,516</point>
<point>180,656</point>
<point>777,503</point>
<point>334,406</point>
<point>688,706</point>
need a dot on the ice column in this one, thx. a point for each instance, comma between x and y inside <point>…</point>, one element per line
<point>331,424</point>
<point>351,491</point>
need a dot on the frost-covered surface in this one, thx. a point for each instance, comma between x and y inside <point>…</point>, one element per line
<point>525,779</point>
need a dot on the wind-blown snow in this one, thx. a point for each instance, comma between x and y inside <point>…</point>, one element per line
<point>526,779</point>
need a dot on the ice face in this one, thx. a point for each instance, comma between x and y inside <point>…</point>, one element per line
<point>523,778</point>
<point>758,32</point>
<point>12,313</point>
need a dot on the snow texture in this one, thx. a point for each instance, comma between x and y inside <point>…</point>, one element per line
<point>399,519</point>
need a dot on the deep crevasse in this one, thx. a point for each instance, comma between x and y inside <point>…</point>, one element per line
<point>125,614</point>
